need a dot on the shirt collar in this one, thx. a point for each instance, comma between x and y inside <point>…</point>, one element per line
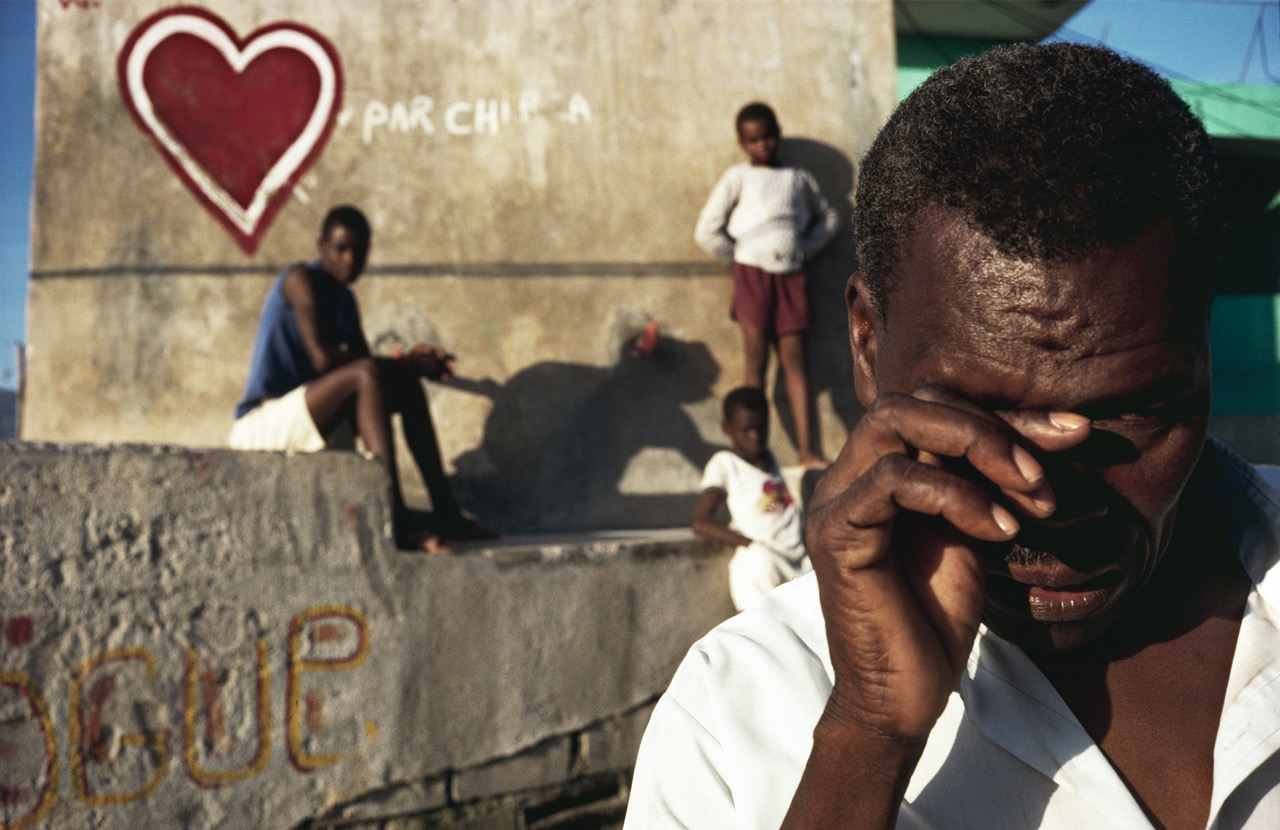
<point>1008,699</point>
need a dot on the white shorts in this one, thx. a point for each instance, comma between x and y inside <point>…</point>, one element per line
<point>755,570</point>
<point>282,423</point>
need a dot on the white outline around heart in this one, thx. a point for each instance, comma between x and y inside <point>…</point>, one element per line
<point>288,163</point>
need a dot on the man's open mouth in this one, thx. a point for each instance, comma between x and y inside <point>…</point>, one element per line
<point>1042,586</point>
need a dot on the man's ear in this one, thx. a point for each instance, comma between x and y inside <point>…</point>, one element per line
<point>864,327</point>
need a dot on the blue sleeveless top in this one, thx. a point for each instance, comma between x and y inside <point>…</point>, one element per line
<point>280,362</point>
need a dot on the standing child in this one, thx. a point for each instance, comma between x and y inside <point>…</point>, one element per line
<point>764,519</point>
<point>770,219</point>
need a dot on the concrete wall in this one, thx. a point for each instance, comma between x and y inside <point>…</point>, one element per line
<point>205,639</point>
<point>8,414</point>
<point>532,171</point>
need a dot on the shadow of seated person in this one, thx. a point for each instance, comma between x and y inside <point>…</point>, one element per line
<point>561,436</point>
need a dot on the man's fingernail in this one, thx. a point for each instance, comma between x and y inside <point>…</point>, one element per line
<point>1004,519</point>
<point>1043,497</point>
<point>1068,421</point>
<point>1027,465</point>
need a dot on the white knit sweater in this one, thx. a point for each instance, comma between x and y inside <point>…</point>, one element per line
<point>774,218</point>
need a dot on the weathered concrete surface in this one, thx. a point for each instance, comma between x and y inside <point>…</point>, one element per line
<point>533,245</point>
<point>217,639</point>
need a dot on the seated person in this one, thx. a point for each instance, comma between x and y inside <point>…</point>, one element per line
<point>311,370</point>
<point>764,519</point>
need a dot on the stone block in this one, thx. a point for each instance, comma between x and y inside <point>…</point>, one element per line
<point>396,801</point>
<point>543,765</point>
<point>583,632</point>
<point>611,746</point>
<point>207,638</point>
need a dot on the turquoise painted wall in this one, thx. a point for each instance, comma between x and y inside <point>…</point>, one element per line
<point>1246,354</point>
<point>919,56</point>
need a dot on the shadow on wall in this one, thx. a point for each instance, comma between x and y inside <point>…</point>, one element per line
<point>560,438</point>
<point>830,364</point>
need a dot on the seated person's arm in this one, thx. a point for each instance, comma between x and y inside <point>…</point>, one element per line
<point>318,337</point>
<point>430,362</point>
<point>358,346</point>
<point>704,519</point>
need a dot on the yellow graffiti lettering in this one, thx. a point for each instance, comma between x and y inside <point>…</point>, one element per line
<point>90,742</point>
<point>194,703</point>
<point>305,713</point>
<point>30,692</point>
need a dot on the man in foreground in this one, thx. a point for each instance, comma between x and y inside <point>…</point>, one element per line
<point>1041,599</point>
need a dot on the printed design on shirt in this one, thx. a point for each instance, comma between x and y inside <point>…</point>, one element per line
<point>775,498</point>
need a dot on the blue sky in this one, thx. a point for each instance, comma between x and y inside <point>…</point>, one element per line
<point>1236,41</point>
<point>1203,40</point>
<point>17,80</point>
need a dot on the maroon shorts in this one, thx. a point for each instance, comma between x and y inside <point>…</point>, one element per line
<point>776,304</point>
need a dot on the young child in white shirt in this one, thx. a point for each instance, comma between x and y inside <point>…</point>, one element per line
<point>770,219</point>
<point>764,519</point>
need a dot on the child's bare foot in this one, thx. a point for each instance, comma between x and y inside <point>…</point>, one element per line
<point>419,533</point>
<point>810,461</point>
<point>465,529</point>
<point>425,541</point>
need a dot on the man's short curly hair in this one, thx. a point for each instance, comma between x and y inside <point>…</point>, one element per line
<point>1052,151</point>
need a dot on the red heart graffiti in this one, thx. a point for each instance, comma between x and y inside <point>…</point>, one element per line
<point>239,120</point>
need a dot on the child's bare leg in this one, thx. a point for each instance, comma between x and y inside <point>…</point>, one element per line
<point>791,356</point>
<point>756,353</point>
<point>360,386</point>
<point>331,395</point>
<point>406,396</point>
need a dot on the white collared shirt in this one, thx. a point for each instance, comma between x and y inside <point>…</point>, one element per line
<point>728,742</point>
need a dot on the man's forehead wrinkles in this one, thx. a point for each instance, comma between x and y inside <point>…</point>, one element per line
<point>1056,317</point>
<point>986,374</point>
<point>1078,337</point>
<point>1008,373</point>
<point>1057,330</point>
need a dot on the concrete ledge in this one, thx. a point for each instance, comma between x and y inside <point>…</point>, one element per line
<point>393,802</point>
<point>612,745</point>
<point>220,639</point>
<point>543,765</point>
